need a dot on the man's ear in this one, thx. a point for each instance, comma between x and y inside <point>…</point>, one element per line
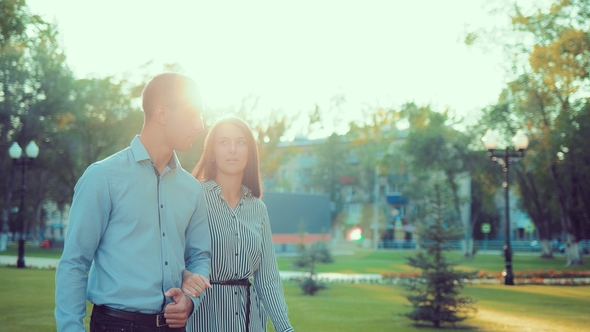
<point>162,114</point>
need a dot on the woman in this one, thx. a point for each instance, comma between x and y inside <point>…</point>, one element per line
<point>241,240</point>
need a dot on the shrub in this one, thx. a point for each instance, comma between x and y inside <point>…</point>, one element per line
<point>309,255</point>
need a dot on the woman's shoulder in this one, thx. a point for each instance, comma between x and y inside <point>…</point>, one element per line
<point>256,202</point>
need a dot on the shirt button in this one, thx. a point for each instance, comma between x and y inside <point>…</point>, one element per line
<point>165,263</point>
<point>236,313</point>
<point>236,253</point>
<point>235,274</point>
<point>162,206</point>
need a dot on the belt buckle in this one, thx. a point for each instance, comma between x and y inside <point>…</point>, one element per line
<point>161,320</point>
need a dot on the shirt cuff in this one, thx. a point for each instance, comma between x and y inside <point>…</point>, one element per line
<point>196,301</point>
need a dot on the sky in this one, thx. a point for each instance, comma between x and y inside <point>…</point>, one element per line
<point>343,56</point>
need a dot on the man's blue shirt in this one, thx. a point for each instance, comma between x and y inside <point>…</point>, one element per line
<point>133,229</point>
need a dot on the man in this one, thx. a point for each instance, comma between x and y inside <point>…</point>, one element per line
<point>137,220</point>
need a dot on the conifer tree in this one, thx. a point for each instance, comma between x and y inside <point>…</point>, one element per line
<point>435,296</point>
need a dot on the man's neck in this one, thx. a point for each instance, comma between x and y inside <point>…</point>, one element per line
<point>159,152</point>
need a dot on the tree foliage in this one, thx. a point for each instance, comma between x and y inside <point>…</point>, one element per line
<point>34,81</point>
<point>433,145</point>
<point>548,96</point>
<point>74,122</point>
<point>332,167</point>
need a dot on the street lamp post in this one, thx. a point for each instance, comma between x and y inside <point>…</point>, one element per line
<point>15,152</point>
<point>375,224</point>
<point>505,158</point>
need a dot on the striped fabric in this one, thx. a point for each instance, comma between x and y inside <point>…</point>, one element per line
<point>241,247</point>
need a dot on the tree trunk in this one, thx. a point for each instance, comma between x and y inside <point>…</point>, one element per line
<point>4,230</point>
<point>452,179</point>
<point>573,256</point>
<point>467,248</point>
<point>546,249</point>
<point>573,251</point>
<point>474,220</point>
<point>37,227</point>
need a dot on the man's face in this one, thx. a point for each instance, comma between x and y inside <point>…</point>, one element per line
<point>184,124</point>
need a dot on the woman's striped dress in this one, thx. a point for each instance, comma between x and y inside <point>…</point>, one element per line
<point>241,247</point>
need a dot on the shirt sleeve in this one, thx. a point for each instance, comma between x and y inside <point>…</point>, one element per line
<point>88,219</point>
<point>268,281</point>
<point>198,243</point>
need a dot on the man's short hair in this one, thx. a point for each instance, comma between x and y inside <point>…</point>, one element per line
<point>169,90</point>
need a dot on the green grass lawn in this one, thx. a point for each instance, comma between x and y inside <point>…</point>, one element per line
<point>366,261</point>
<point>28,302</point>
<point>29,297</point>
<point>500,308</point>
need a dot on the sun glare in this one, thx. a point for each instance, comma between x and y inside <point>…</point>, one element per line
<point>375,54</point>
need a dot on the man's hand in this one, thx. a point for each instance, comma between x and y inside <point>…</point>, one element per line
<point>194,284</point>
<point>178,311</point>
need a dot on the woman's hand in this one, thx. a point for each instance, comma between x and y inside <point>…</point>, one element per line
<point>193,284</point>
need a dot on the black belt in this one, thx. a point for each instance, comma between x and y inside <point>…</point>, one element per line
<point>156,320</point>
<point>239,282</point>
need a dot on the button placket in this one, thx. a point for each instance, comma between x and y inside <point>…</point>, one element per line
<point>237,224</point>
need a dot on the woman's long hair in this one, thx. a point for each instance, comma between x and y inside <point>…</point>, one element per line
<point>206,168</point>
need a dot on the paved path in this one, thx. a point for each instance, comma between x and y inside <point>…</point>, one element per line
<point>51,263</point>
<point>38,262</point>
<point>334,277</point>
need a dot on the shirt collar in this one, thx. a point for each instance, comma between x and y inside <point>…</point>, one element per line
<point>246,192</point>
<point>141,154</point>
<point>211,185</point>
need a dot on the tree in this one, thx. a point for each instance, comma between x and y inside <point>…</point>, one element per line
<point>34,83</point>
<point>269,137</point>
<point>308,256</point>
<point>484,179</point>
<point>332,167</point>
<point>539,201</point>
<point>433,145</point>
<point>98,121</point>
<point>374,146</point>
<point>435,295</point>
<point>535,186</point>
<point>75,122</point>
<point>372,142</point>
<point>551,64</point>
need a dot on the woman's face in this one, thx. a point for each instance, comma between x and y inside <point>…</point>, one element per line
<point>230,149</point>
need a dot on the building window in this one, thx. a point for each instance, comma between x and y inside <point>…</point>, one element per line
<point>354,208</point>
